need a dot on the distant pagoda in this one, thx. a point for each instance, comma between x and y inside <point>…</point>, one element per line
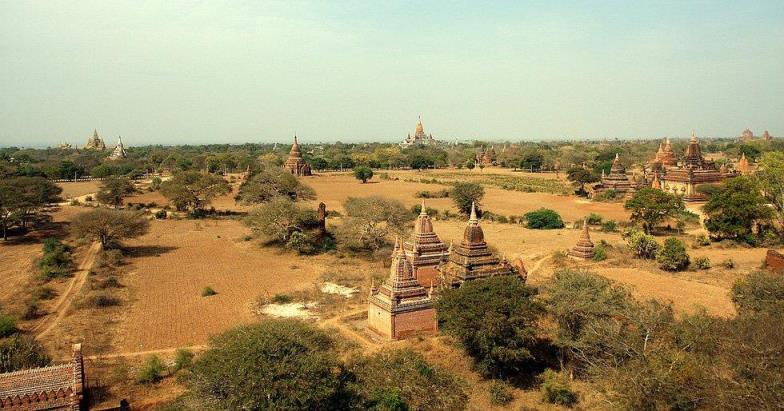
<point>419,138</point>
<point>584,248</point>
<point>426,251</point>
<point>693,172</point>
<point>616,180</point>
<point>95,142</point>
<point>401,307</point>
<point>486,157</point>
<point>743,165</point>
<point>747,135</point>
<point>766,136</point>
<point>295,164</point>
<point>472,259</point>
<point>665,157</point>
<point>119,151</point>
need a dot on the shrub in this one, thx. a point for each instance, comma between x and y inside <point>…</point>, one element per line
<point>609,226</point>
<point>21,352</point>
<point>31,309</point>
<point>703,263</point>
<point>160,215</point>
<point>300,242</point>
<point>152,371</point>
<point>500,393</point>
<point>728,263</point>
<point>110,258</point>
<point>88,198</point>
<point>642,245</point>
<point>608,195</point>
<point>43,293</point>
<point>594,219</point>
<point>183,359</point>
<point>7,325</point>
<point>556,389</point>
<point>110,282</point>
<point>207,291</point>
<point>701,240</point>
<point>101,300</point>
<point>599,253</point>
<point>543,218</point>
<point>673,256</point>
<point>282,299</point>
<point>56,260</point>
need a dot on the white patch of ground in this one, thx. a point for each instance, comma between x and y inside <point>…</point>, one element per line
<point>332,288</point>
<point>289,310</point>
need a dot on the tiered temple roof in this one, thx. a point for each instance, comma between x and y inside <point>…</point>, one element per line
<point>95,142</point>
<point>584,248</point>
<point>419,137</point>
<point>119,151</point>
<point>747,135</point>
<point>694,171</point>
<point>295,164</point>
<point>400,292</point>
<point>57,387</point>
<point>486,157</point>
<point>472,259</point>
<point>665,157</point>
<point>616,180</point>
<point>426,251</point>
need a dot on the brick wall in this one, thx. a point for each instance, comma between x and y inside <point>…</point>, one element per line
<point>425,275</point>
<point>774,260</point>
<point>415,322</point>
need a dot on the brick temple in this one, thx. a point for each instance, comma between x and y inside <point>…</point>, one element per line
<point>694,171</point>
<point>401,307</point>
<point>57,387</point>
<point>426,251</point>
<point>584,248</point>
<point>617,180</point>
<point>295,164</point>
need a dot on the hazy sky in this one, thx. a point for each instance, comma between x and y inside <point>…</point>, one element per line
<point>257,71</point>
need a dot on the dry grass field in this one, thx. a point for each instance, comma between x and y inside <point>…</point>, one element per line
<point>78,188</point>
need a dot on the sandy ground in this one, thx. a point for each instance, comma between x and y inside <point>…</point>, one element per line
<point>78,188</point>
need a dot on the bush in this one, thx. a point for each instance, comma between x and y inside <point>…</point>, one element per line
<point>609,226</point>
<point>543,218</point>
<point>281,299</point>
<point>556,389</point>
<point>207,291</point>
<point>183,359</point>
<point>56,261</point>
<point>31,309</point>
<point>594,219</point>
<point>301,243</point>
<point>642,245</point>
<point>21,352</point>
<point>701,240</point>
<point>500,393</point>
<point>7,325</point>
<point>599,253</point>
<point>101,300</point>
<point>608,195</point>
<point>673,256</point>
<point>43,293</point>
<point>160,215</point>
<point>152,371</point>
<point>110,258</point>
<point>703,263</point>
<point>728,263</point>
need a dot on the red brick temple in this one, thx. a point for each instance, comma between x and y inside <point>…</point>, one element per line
<point>57,387</point>
<point>584,248</point>
<point>426,251</point>
<point>617,180</point>
<point>693,172</point>
<point>295,164</point>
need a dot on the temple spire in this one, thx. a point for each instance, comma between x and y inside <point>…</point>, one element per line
<point>473,213</point>
<point>422,212</point>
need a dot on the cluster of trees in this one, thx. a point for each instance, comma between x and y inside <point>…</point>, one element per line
<point>638,354</point>
<point>22,199</point>
<point>299,366</point>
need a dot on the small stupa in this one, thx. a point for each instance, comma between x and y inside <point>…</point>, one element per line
<point>295,164</point>
<point>584,248</point>
<point>119,151</point>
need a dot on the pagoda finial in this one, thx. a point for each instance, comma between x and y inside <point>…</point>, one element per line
<point>95,133</point>
<point>473,212</point>
<point>422,212</point>
<point>616,156</point>
<point>585,229</point>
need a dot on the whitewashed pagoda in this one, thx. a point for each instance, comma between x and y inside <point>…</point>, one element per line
<point>119,151</point>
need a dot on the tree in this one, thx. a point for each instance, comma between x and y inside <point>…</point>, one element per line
<point>22,197</point>
<point>643,245</point>
<point>735,209</point>
<point>771,179</point>
<point>581,177</point>
<point>402,377</point>
<point>465,194</point>
<point>109,226</point>
<point>495,320</point>
<point>193,190</point>
<point>650,207</point>
<point>279,218</point>
<point>532,161</point>
<point>673,256</point>
<point>276,364</point>
<point>21,352</point>
<point>576,301</point>
<point>114,189</point>
<point>370,220</point>
<point>363,173</point>
<point>319,163</point>
<point>272,183</point>
<point>543,218</point>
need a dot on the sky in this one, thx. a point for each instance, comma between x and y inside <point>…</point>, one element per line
<point>195,72</point>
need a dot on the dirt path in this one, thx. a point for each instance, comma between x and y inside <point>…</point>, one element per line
<point>357,337</point>
<point>140,353</point>
<point>67,297</point>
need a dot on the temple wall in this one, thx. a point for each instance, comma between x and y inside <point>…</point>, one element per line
<point>774,261</point>
<point>425,275</point>
<point>415,322</point>
<point>380,321</point>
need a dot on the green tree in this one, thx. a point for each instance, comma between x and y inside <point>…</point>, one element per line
<point>734,210</point>
<point>193,190</point>
<point>363,173</point>
<point>402,378</point>
<point>543,218</point>
<point>276,364</point>
<point>21,198</point>
<point>465,194</point>
<point>370,221</point>
<point>272,183</point>
<point>643,245</point>
<point>649,207</point>
<point>771,179</point>
<point>114,190</point>
<point>580,177</point>
<point>673,256</point>
<point>495,320</point>
<point>109,226</point>
<point>20,352</point>
<point>279,218</point>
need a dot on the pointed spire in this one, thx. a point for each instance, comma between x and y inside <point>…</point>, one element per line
<point>585,229</point>
<point>95,133</point>
<point>422,212</point>
<point>400,248</point>
<point>473,212</point>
